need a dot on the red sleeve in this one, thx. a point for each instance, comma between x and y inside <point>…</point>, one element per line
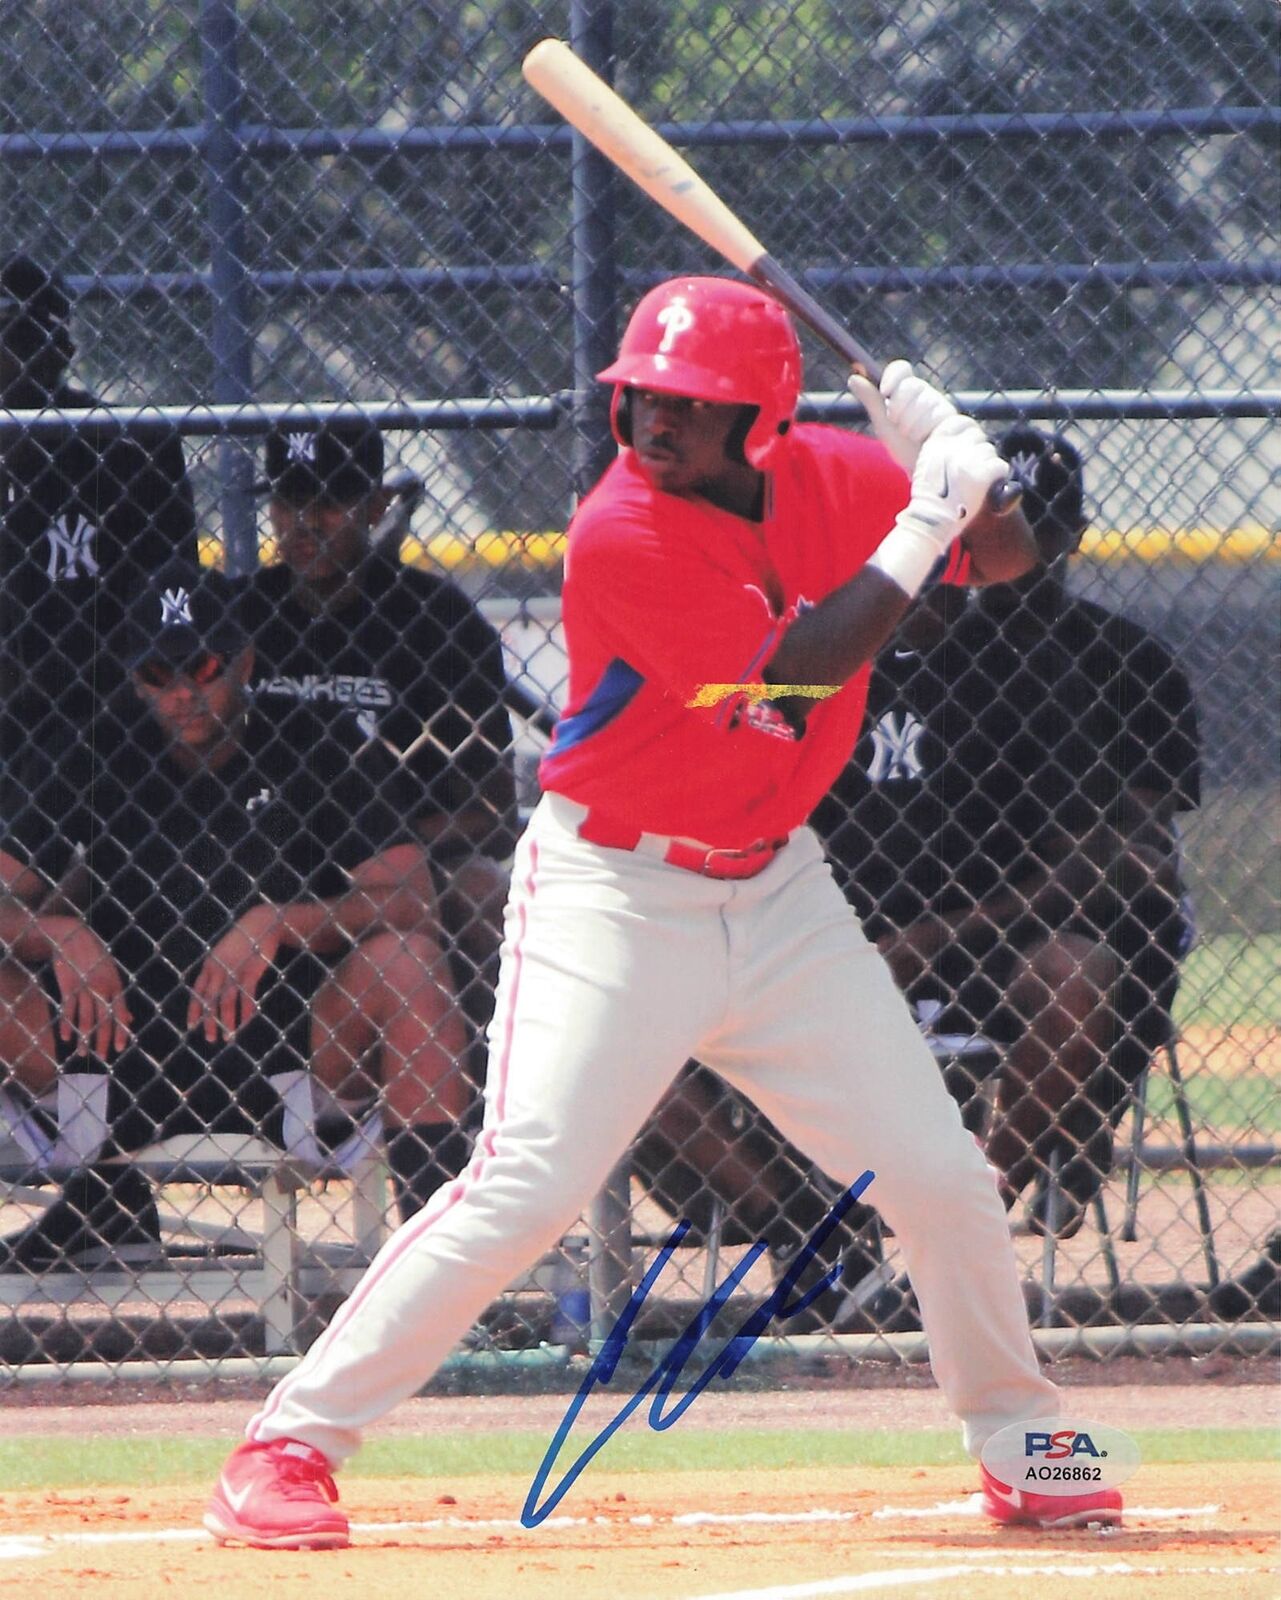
<point>878,485</point>
<point>663,602</point>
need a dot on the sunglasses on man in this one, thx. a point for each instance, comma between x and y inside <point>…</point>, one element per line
<point>201,669</point>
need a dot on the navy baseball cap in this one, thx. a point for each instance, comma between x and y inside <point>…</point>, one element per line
<point>338,462</point>
<point>1048,469</point>
<point>34,306</point>
<point>184,612</point>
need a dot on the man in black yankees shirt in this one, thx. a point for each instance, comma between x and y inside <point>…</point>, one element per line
<point>342,625</point>
<point>1008,831</point>
<point>85,517</point>
<point>259,910</point>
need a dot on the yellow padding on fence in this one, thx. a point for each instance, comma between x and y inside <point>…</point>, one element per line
<point>1186,544</point>
<point>540,550</point>
<point>487,550</point>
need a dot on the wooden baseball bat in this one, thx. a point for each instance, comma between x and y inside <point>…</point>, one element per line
<point>588,103</point>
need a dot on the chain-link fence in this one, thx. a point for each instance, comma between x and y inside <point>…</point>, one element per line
<point>240,998</point>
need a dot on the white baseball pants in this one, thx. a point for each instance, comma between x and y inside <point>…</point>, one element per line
<point>616,969</point>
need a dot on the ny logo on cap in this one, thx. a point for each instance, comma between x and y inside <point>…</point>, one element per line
<point>1025,465</point>
<point>301,446</point>
<point>175,609</point>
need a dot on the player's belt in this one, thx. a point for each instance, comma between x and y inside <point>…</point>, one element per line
<point>689,854</point>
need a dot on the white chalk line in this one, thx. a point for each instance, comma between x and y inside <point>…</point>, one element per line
<point>973,1507</point>
<point>19,1546</point>
<point>901,1577</point>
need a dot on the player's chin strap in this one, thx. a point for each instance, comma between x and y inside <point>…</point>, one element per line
<point>321,1133</point>
<point>66,1128</point>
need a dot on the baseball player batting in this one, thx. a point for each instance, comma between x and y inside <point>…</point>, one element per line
<point>669,902</point>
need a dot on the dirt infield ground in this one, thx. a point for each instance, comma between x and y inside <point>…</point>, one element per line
<point>1193,1534</point>
<point>1194,1531</point>
<point>1230,1052</point>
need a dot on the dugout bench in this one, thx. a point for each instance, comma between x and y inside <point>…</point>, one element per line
<point>208,1262</point>
<point>215,1264</point>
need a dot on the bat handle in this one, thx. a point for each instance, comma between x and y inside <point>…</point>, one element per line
<point>802,304</point>
<point>840,339</point>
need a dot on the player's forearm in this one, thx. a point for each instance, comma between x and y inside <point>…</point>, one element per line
<point>488,827</point>
<point>1107,872</point>
<point>28,935</point>
<point>391,892</point>
<point>996,911</point>
<point>327,926</point>
<point>952,476</point>
<point>830,643</point>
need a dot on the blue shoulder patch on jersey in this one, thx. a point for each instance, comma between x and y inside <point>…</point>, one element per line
<point>617,688</point>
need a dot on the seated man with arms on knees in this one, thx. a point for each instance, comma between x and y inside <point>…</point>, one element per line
<point>1007,831</point>
<point>258,907</point>
<point>1024,732</point>
<point>342,625</point>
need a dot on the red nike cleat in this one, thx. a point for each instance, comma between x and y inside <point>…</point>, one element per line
<point>1004,1504</point>
<point>277,1496</point>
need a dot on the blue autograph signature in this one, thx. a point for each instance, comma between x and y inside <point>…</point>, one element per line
<point>668,1371</point>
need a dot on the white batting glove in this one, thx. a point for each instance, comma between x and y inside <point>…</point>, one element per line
<point>904,411</point>
<point>956,467</point>
<point>954,471</point>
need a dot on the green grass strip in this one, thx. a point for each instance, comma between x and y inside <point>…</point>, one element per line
<point>1230,980</point>
<point>30,1462</point>
<point>1250,1102</point>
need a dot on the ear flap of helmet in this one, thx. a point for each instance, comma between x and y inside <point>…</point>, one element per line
<point>762,434</point>
<point>620,414</point>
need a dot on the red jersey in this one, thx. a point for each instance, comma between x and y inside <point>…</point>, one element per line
<point>665,597</point>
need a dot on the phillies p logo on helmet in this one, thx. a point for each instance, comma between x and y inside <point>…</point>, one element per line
<point>674,320</point>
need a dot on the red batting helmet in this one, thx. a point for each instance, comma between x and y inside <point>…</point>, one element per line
<point>712,339</point>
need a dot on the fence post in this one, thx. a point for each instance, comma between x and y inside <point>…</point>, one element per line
<point>230,342</point>
<point>595,267</point>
